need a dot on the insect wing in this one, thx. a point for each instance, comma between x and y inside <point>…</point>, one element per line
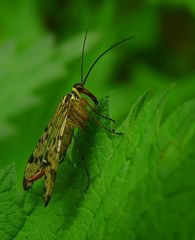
<point>36,162</point>
<point>56,149</point>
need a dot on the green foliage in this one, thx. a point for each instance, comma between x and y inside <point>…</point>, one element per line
<point>22,73</point>
<point>141,182</point>
<point>30,69</point>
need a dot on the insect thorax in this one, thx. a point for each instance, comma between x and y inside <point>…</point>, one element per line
<point>75,93</point>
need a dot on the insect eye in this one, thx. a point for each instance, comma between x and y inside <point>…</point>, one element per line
<point>79,86</point>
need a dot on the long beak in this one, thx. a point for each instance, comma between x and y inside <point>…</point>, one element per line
<point>89,94</point>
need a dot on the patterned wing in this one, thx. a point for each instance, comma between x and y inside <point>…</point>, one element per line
<point>57,147</point>
<point>36,164</point>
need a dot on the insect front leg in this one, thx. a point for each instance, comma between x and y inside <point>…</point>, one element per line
<point>95,110</point>
<point>111,130</point>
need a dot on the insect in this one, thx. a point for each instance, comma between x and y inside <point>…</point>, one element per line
<point>72,112</point>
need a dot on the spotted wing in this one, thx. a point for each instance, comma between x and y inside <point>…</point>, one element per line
<point>74,115</point>
<point>56,149</point>
<point>38,160</point>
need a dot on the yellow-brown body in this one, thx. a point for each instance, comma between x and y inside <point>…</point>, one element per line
<point>71,112</point>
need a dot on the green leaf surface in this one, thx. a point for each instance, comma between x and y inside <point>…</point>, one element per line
<point>11,207</point>
<point>141,183</point>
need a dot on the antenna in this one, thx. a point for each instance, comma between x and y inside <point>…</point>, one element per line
<point>82,55</point>
<point>101,55</point>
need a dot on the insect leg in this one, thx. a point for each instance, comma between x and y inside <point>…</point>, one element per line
<point>62,157</point>
<point>95,110</point>
<point>97,122</point>
<point>111,130</point>
<point>84,163</point>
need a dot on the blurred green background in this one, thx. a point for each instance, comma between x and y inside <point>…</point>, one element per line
<point>40,54</point>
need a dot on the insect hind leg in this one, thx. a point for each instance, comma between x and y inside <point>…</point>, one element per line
<point>62,157</point>
<point>84,164</point>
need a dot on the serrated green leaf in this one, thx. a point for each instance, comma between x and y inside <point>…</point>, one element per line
<point>138,189</point>
<point>11,212</point>
<point>169,191</point>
